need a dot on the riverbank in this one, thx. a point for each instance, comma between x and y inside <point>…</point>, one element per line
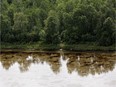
<point>51,47</point>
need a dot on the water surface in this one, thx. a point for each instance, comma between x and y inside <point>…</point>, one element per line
<point>45,69</point>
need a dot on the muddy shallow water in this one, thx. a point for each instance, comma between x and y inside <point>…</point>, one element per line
<point>93,69</point>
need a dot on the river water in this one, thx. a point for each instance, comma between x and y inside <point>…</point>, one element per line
<point>50,69</point>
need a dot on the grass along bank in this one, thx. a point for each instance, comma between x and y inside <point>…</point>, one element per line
<point>52,47</point>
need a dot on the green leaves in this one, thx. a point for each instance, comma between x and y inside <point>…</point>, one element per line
<point>52,28</point>
<point>58,21</point>
<point>20,22</point>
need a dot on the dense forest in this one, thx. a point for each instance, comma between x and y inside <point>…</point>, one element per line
<point>58,21</point>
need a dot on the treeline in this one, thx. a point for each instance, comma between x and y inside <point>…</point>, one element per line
<point>58,21</point>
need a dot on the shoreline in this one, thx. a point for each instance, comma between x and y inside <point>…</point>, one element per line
<point>49,51</point>
<point>56,48</point>
<point>52,51</point>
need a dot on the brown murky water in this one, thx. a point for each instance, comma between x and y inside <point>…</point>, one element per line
<point>58,69</point>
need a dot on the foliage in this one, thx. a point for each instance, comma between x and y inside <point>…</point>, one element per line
<point>58,21</point>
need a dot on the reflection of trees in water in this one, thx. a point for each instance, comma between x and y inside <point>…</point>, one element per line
<point>24,65</point>
<point>7,60</point>
<point>53,60</point>
<point>83,63</point>
<point>90,64</point>
<point>54,63</point>
<point>21,58</point>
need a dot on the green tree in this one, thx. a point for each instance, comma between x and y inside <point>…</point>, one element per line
<point>52,28</point>
<point>106,32</point>
<point>20,26</point>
